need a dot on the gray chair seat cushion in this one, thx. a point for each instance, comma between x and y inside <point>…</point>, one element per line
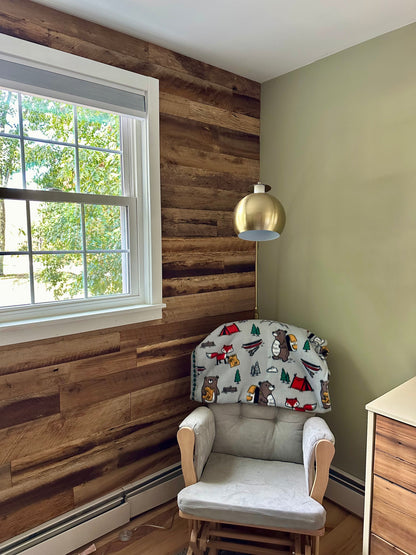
<point>251,491</point>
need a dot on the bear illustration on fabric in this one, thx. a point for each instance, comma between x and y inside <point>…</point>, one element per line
<point>209,390</point>
<point>262,394</point>
<point>280,349</point>
<point>283,344</point>
<point>326,402</point>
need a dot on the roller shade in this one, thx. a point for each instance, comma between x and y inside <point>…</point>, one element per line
<point>71,89</point>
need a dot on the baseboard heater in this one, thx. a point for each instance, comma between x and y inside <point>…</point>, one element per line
<point>89,522</point>
<point>346,490</point>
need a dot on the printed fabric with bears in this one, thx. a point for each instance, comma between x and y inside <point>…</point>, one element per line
<point>263,362</point>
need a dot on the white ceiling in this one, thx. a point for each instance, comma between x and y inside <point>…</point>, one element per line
<point>259,39</point>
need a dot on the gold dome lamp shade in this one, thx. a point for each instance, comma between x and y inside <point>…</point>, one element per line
<point>259,216</point>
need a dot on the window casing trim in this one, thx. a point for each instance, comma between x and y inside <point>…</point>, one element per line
<point>20,326</point>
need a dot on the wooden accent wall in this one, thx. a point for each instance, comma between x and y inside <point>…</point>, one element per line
<point>85,414</point>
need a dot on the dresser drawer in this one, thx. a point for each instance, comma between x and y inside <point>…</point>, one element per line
<point>381,547</point>
<point>394,515</point>
<point>395,452</point>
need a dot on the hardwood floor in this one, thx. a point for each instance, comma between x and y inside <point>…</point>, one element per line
<point>162,532</point>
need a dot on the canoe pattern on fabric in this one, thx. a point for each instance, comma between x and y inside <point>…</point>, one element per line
<point>264,362</point>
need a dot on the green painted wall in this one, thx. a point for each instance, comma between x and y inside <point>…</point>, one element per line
<point>338,146</point>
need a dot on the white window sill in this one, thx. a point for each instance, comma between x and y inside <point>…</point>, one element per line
<point>46,328</point>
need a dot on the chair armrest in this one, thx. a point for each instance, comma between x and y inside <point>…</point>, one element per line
<point>318,447</point>
<point>196,437</point>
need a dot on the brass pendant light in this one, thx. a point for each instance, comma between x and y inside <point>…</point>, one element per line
<point>259,216</point>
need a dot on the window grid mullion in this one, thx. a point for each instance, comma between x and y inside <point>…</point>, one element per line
<point>58,143</point>
<point>84,251</point>
<point>30,251</point>
<point>77,177</point>
<point>22,141</point>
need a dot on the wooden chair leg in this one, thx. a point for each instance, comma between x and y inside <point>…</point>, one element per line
<point>315,545</point>
<point>298,545</point>
<point>193,548</point>
<point>213,550</point>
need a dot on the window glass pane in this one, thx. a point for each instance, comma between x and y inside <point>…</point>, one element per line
<point>47,119</point>
<point>49,166</point>
<point>14,280</point>
<point>10,165</point>
<point>103,227</point>
<point>9,112</point>
<point>56,226</point>
<point>99,129</point>
<point>100,172</point>
<point>13,225</point>
<point>105,274</point>
<point>58,277</point>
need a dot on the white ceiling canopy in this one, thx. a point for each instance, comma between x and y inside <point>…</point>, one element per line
<point>258,39</point>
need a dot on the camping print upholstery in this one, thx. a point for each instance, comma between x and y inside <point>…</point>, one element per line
<point>262,362</point>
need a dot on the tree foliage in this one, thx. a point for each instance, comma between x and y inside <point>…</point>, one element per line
<point>51,165</point>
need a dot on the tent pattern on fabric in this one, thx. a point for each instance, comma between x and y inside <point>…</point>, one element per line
<point>301,384</point>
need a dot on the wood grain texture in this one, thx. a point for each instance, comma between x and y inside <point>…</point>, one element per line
<point>82,415</point>
<point>381,547</point>
<point>394,514</point>
<point>395,452</point>
<point>204,113</point>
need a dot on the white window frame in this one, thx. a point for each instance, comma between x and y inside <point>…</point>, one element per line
<point>47,320</point>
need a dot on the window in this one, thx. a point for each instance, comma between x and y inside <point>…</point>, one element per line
<point>80,244</point>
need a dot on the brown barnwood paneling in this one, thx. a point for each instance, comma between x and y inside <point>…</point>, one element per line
<point>44,433</point>
<point>200,158</point>
<point>174,174</point>
<point>88,392</point>
<point>184,307</point>
<point>33,513</point>
<point>178,131</point>
<point>24,410</point>
<point>205,113</point>
<point>82,415</point>
<point>130,473</point>
<point>5,476</point>
<point>201,284</point>
<point>190,263</point>
<point>55,351</point>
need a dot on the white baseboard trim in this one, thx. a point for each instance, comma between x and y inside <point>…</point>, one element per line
<point>346,490</point>
<point>89,522</point>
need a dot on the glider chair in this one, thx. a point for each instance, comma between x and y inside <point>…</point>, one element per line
<point>256,458</point>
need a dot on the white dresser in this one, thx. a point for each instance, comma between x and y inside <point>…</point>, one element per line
<point>390,492</point>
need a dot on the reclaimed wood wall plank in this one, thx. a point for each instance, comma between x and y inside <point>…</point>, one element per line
<point>30,515</point>
<point>55,351</point>
<point>51,431</point>
<point>175,105</point>
<point>5,476</point>
<point>174,174</point>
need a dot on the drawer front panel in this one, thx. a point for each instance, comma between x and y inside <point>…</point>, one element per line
<point>381,547</point>
<point>394,515</point>
<point>395,452</point>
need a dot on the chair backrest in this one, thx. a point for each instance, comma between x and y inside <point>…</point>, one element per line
<point>262,362</point>
<point>259,432</point>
